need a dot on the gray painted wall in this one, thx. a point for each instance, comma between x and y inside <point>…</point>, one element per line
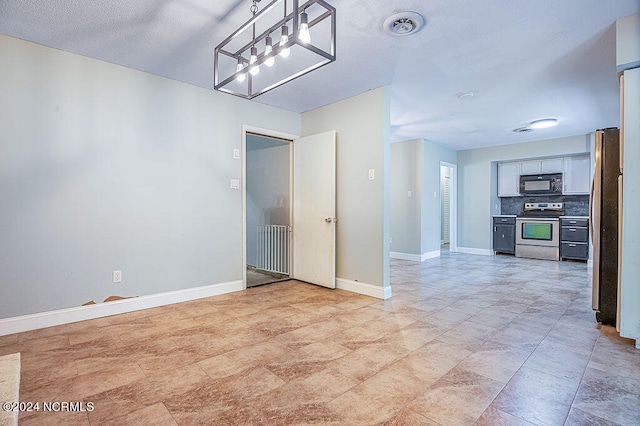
<point>432,155</point>
<point>362,126</point>
<point>103,167</point>
<point>477,183</point>
<point>415,221</point>
<point>406,168</point>
<point>268,184</point>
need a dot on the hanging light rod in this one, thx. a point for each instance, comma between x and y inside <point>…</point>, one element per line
<point>242,52</point>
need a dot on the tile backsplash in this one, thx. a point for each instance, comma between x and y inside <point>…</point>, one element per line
<point>574,205</point>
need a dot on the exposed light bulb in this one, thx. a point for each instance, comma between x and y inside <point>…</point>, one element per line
<point>284,39</point>
<point>254,68</point>
<point>268,50</point>
<point>304,35</point>
<point>240,67</point>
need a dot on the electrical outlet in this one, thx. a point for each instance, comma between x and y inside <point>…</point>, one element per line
<point>117,276</point>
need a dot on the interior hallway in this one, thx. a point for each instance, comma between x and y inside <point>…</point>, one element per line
<point>465,339</point>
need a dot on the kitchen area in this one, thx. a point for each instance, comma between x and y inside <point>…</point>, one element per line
<point>544,208</point>
<point>559,209</point>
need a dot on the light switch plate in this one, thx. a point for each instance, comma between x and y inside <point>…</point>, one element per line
<point>372,174</point>
<point>234,184</point>
<point>236,154</point>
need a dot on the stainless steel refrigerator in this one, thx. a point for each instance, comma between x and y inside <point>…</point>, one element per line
<point>604,225</point>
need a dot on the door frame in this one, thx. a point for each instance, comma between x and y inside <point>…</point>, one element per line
<point>453,205</point>
<point>243,185</point>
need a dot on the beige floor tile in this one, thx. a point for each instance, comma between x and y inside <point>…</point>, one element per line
<point>153,389</point>
<point>54,419</point>
<point>566,362</point>
<point>441,357</point>
<point>611,397</point>
<point>495,361</point>
<point>409,417</point>
<point>495,417</point>
<point>491,340</point>
<point>537,397</point>
<point>156,414</point>
<point>459,397</point>
<point>239,360</point>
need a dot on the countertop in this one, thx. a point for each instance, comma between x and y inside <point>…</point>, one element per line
<point>575,217</point>
<point>504,215</point>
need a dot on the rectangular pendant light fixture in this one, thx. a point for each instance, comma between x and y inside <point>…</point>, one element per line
<point>281,42</point>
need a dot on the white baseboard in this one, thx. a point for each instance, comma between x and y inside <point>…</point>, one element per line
<point>405,256</point>
<point>470,250</point>
<point>378,292</point>
<point>430,255</point>
<point>414,257</point>
<point>99,310</point>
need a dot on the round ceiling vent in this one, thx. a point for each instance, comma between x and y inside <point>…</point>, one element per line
<point>404,24</point>
<point>523,130</point>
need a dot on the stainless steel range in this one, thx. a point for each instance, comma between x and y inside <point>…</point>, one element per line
<point>538,231</point>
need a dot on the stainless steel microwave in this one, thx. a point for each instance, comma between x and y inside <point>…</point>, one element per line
<point>541,184</point>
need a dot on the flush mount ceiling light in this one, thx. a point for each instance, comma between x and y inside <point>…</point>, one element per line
<point>544,123</point>
<point>312,44</point>
<point>403,24</point>
<point>466,95</point>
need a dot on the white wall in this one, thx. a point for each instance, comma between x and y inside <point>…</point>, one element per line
<point>630,248</point>
<point>628,42</point>
<point>477,184</point>
<point>268,184</point>
<point>362,126</point>
<point>103,167</point>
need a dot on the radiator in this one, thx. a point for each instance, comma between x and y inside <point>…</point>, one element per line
<point>273,248</point>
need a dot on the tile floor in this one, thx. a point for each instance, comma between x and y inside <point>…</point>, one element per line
<point>464,340</point>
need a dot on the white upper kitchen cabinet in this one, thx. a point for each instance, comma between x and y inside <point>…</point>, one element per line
<point>552,165</point>
<point>577,175</point>
<point>547,165</point>
<point>509,179</point>
<point>530,167</point>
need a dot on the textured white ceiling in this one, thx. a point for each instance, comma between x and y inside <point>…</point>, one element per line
<point>524,60</point>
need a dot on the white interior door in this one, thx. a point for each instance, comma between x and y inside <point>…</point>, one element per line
<point>314,209</point>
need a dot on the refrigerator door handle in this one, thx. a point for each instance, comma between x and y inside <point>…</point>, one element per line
<point>595,285</point>
<point>591,209</point>
<point>595,206</point>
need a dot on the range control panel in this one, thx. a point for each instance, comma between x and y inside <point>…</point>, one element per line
<point>543,206</point>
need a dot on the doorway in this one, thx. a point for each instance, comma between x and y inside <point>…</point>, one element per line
<point>448,207</point>
<point>306,242</point>
<point>267,208</point>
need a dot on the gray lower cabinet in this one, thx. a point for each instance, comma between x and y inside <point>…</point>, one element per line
<point>504,234</point>
<point>574,239</point>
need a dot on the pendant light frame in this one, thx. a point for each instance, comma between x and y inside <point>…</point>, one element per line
<point>220,82</point>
